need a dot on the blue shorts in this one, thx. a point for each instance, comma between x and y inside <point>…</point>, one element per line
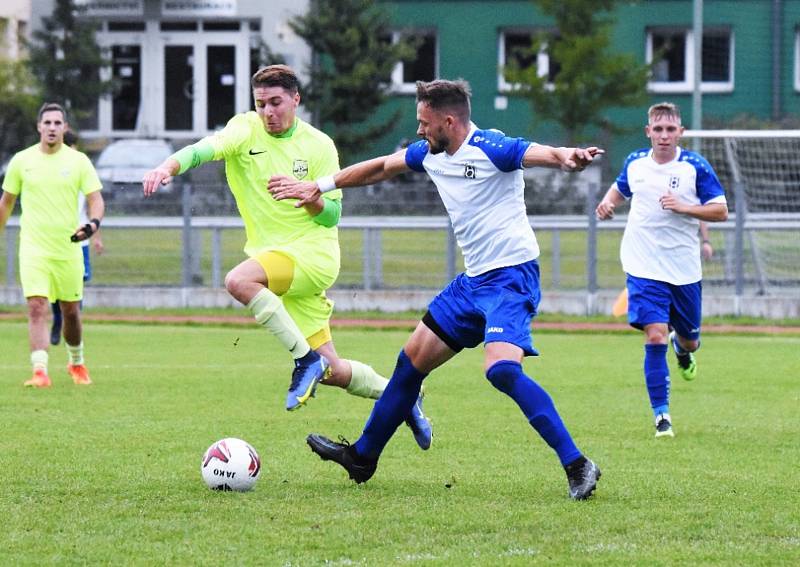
<point>653,301</point>
<point>497,306</point>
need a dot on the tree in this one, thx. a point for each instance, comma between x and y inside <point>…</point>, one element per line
<point>354,58</point>
<point>66,59</point>
<point>19,102</point>
<point>589,79</point>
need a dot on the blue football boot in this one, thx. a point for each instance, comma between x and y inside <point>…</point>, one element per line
<point>420,425</point>
<point>305,377</point>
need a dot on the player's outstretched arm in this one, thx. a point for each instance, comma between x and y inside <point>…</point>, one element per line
<point>362,173</point>
<point>609,202</point>
<point>568,159</point>
<point>159,176</point>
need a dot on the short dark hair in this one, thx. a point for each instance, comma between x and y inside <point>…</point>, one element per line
<point>276,76</point>
<point>50,107</point>
<point>446,95</point>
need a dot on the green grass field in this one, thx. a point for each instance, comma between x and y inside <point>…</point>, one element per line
<point>109,474</point>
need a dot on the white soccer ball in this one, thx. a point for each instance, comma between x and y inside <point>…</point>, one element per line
<point>231,464</point>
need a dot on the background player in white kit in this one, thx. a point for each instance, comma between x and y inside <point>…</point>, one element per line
<point>671,190</point>
<point>478,174</point>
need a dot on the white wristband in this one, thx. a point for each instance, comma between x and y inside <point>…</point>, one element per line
<point>326,184</point>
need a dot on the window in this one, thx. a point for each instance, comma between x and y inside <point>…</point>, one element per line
<point>514,48</point>
<point>673,50</point>
<point>126,26</point>
<point>423,67</point>
<point>797,60</point>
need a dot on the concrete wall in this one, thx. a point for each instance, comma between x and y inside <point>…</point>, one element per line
<point>569,303</point>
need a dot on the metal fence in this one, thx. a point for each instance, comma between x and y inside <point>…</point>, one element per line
<point>756,254</point>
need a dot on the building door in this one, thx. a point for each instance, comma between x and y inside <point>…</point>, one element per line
<point>126,63</point>
<point>173,83</point>
<point>179,87</point>
<point>220,85</point>
<point>205,81</point>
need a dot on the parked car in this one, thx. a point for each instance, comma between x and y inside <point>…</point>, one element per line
<point>122,164</point>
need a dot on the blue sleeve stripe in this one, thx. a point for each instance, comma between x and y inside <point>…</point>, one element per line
<point>415,154</point>
<point>505,153</point>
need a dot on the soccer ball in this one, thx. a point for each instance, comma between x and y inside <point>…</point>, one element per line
<point>231,464</point>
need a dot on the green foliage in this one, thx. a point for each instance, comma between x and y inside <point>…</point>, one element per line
<point>19,102</point>
<point>590,79</point>
<point>110,474</point>
<point>354,60</point>
<point>66,59</point>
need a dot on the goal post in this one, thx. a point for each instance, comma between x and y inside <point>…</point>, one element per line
<point>759,248</point>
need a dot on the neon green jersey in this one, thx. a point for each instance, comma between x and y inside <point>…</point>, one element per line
<point>251,157</point>
<point>48,187</point>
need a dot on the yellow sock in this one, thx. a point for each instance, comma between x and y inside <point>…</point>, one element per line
<point>269,312</point>
<point>365,382</point>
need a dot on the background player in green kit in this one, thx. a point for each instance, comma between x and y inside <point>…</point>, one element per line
<point>47,177</point>
<point>293,253</point>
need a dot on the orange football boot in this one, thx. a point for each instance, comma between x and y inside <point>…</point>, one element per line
<point>40,380</point>
<point>79,373</point>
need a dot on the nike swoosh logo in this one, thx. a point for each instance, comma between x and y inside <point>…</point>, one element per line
<point>252,153</point>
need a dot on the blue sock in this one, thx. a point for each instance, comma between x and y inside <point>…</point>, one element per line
<point>536,404</point>
<point>391,409</point>
<point>56,308</point>
<point>308,358</point>
<point>656,376</point>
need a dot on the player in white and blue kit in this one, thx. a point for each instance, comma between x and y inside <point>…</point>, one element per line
<point>671,191</point>
<point>478,174</point>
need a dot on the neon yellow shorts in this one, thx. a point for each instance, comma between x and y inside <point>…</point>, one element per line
<point>298,284</point>
<point>53,279</point>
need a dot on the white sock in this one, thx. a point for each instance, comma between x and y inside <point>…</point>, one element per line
<point>39,360</point>
<point>365,382</point>
<point>75,353</point>
<point>269,312</point>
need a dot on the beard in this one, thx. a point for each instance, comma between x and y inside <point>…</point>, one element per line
<point>438,145</point>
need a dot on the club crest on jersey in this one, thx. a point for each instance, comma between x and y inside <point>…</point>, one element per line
<point>674,182</point>
<point>469,171</point>
<point>300,168</point>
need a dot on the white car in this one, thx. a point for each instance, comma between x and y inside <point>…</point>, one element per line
<point>122,164</point>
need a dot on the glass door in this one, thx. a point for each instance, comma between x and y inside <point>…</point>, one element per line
<point>179,90</point>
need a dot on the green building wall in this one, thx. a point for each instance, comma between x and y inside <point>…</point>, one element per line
<point>468,36</point>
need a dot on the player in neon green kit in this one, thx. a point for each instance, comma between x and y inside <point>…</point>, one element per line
<point>293,253</point>
<point>48,178</point>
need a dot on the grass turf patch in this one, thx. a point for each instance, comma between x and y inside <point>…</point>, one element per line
<point>110,473</point>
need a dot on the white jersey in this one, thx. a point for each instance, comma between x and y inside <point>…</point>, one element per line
<point>658,244</point>
<point>482,189</point>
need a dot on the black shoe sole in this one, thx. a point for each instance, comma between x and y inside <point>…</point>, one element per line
<point>356,473</point>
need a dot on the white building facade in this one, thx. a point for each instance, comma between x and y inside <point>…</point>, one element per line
<point>183,67</point>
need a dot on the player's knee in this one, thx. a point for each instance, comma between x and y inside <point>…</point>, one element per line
<point>689,345</point>
<point>234,284</point>
<point>656,336</point>
<point>503,374</point>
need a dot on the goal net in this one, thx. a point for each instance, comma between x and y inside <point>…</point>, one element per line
<point>758,249</point>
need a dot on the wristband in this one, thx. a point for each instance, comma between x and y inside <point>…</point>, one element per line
<point>706,242</point>
<point>326,184</point>
<point>97,222</point>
